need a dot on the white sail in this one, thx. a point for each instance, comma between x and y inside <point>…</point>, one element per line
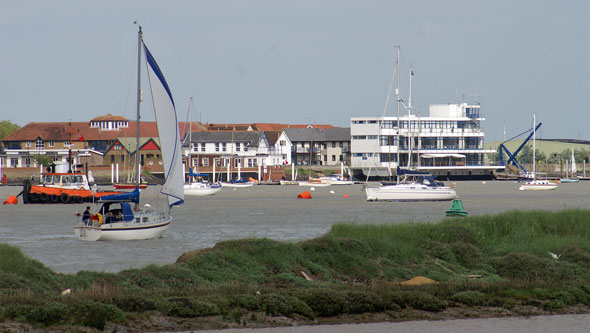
<point>168,131</point>
<point>574,170</point>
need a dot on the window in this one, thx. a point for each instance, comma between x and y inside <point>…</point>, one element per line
<point>341,144</point>
<point>203,146</point>
<point>217,161</point>
<point>238,146</point>
<point>28,144</point>
<point>333,144</point>
<point>333,158</point>
<point>52,144</point>
<point>223,147</point>
<point>283,142</point>
<point>39,144</point>
<point>205,161</point>
<point>122,158</point>
<point>216,146</point>
<point>112,158</point>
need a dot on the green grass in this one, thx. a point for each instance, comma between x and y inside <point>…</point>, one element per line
<point>352,269</point>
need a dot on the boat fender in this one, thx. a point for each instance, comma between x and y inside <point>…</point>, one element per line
<point>43,197</point>
<point>99,218</point>
<point>64,197</point>
<point>304,195</point>
<point>78,199</point>
<point>33,197</point>
<point>53,198</point>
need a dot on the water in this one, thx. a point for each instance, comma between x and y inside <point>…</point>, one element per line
<point>45,232</point>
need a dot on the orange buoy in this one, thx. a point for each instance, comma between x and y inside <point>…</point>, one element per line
<point>346,196</point>
<point>304,195</point>
<point>12,200</point>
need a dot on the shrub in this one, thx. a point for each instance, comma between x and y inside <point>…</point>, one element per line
<point>471,298</point>
<point>418,300</point>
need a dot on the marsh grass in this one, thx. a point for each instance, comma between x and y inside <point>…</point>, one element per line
<point>352,269</point>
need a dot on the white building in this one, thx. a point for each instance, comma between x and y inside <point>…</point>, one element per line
<point>449,143</point>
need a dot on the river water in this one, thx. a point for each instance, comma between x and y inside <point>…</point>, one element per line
<point>45,232</point>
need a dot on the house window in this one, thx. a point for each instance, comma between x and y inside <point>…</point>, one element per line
<point>341,144</point>
<point>39,144</point>
<point>14,161</point>
<point>117,147</point>
<point>250,163</point>
<point>223,147</point>
<point>283,143</point>
<point>112,158</point>
<point>333,158</point>
<point>238,146</point>
<point>205,161</point>
<point>333,144</point>
<point>217,161</point>
<point>122,158</point>
<point>28,144</point>
<point>216,146</point>
<point>52,144</point>
<point>203,146</point>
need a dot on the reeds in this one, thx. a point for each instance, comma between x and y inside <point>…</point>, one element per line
<point>492,260</point>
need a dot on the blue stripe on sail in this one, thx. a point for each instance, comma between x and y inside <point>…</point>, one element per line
<point>154,65</point>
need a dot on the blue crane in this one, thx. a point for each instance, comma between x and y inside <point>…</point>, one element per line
<point>512,156</point>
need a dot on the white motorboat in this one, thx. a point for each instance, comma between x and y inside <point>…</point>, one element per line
<point>337,179</point>
<point>238,183</point>
<point>116,219</point>
<point>537,185</point>
<point>315,182</point>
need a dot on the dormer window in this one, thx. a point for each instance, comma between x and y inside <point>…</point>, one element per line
<point>28,144</point>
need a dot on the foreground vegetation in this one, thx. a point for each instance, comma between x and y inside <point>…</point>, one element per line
<point>486,265</point>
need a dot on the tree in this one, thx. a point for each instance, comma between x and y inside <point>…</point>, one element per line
<point>43,159</point>
<point>7,128</point>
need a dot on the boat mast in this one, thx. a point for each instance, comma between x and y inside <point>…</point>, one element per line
<point>139,93</point>
<point>409,122</point>
<point>398,109</point>
<point>190,140</point>
<point>534,138</point>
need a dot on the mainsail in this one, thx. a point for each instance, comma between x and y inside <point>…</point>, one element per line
<point>168,131</point>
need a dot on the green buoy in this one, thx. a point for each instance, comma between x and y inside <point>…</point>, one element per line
<point>456,209</point>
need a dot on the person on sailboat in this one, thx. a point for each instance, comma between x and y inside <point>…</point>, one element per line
<point>86,215</point>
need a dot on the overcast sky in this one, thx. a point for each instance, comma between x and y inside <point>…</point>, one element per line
<point>301,61</point>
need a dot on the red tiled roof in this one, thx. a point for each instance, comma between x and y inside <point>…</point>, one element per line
<point>61,132</point>
<point>109,117</point>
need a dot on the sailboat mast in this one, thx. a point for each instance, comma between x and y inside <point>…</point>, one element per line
<point>139,93</point>
<point>534,147</point>
<point>190,140</point>
<point>409,122</point>
<point>398,109</point>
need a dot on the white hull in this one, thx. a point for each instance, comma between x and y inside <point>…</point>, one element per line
<point>200,189</point>
<point>340,182</point>
<point>289,182</point>
<point>121,231</point>
<point>410,192</point>
<point>314,184</point>
<point>537,185</point>
<point>237,185</point>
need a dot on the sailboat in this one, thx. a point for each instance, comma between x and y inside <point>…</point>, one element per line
<point>411,185</point>
<point>196,184</point>
<point>117,219</point>
<point>571,176</point>
<point>536,184</point>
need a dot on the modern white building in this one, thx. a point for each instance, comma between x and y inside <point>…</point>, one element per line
<point>449,143</point>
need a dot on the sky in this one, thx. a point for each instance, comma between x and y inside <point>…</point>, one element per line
<point>300,62</point>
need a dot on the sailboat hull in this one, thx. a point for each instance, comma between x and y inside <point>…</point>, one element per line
<point>201,189</point>
<point>154,228</point>
<point>410,192</point>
